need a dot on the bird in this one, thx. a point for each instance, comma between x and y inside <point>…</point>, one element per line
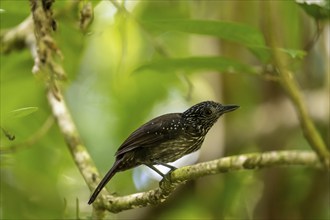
<point>165,139</point>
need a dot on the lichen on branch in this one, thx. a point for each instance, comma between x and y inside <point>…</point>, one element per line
<point>223,165</point>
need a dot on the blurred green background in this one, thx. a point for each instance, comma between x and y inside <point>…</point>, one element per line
<point>157,58</point>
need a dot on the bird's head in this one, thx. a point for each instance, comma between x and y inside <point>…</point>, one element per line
<point>203,115</point>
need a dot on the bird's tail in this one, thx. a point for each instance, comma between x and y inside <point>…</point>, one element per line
<point>104,181</point>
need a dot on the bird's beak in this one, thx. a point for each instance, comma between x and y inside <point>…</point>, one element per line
<point>229,108</point>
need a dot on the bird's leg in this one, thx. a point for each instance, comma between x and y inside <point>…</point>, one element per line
<point>172,168</point>
<point>155,169</point>
<point>166,177</point>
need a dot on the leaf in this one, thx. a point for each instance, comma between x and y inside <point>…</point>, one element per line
<point>235,32</point>
<point>320,11</point>
<point>239,33</point>
<point>191,64</point>
<point>22,112</point>
<point>293,53</point>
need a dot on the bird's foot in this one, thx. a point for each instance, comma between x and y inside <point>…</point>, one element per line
<point>166,182</point>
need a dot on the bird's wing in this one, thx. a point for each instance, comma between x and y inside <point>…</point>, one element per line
<point>150,133</point>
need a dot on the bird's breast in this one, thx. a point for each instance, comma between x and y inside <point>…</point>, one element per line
<point>174,149</point>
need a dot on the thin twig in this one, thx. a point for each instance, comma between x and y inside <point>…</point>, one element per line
<point>319,29</point>
<point>31,140</point>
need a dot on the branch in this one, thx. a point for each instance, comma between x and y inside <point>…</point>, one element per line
<point>18,37</point>
<point>47,64</point>
<point>292,88</point>
<point>22,35</point>
<point>34,33</point>
<point>72,138</point>
<point>223,165</point>
<point>77,149</point>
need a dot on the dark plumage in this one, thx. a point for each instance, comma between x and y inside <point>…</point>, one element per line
<point>165,139</point>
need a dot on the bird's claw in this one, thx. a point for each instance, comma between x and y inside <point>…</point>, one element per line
<point>166,181</point>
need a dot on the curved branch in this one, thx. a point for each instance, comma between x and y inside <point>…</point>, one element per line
<point>222,165</point>
<point>292,88</point>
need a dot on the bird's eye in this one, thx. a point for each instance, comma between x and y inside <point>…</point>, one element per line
<point>208,111</point>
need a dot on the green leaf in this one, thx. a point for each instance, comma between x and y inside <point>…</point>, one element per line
<point>317,11</point>
<point>235,32</point>
<point>192,64</point>
<point>22,112</point>
<point>239,33</point>
<point>293,53</point>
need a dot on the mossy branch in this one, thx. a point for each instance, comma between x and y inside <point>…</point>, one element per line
<point>46,63</point>
<point>223,165</point>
